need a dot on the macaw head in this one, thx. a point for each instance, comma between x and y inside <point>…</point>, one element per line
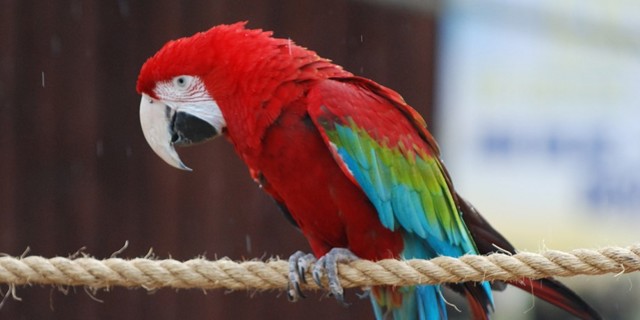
<point>176,108</point>
<point>179,111</point>
<point>221,81</point>
<point>180,86</point>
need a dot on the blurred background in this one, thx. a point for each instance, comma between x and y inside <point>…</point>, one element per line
<point>535,105</point>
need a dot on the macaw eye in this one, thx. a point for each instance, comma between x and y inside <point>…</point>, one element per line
<point>182,81</point>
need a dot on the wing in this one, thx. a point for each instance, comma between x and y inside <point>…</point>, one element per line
<point>382,145</point>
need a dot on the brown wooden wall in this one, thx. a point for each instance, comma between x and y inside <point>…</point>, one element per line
<point>75,171</point>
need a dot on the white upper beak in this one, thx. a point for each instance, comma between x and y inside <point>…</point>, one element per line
<point>155,119</point>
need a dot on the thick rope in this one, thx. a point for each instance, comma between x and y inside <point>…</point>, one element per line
<point>258,275</point>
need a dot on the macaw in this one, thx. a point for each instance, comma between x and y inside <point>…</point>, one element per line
<point>348,161</point>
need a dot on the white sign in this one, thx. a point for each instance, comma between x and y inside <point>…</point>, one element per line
<point>539,117</point>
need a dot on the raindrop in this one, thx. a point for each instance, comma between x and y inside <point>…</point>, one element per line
<point>124,8</point>
<point>361,38</point>
<point>76,9</point>
<point>99,148</point>
<point>247,239</point>
<point>56,44</point>
<point>43,79</point>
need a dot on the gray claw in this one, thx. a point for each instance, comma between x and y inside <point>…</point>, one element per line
<point>299,262</point>
<point>328,264</point>
<point>304,263</point>
<point>317,273</point>
<point>294,294</point>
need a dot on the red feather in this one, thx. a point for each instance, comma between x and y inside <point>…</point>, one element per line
<point>263,87</point>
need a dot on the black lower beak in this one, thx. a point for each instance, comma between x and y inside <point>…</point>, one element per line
<point>187,129</point>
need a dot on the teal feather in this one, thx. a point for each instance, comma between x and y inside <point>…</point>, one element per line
<point>410,193</point>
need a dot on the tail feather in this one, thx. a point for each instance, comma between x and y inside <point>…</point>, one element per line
<point>488,240</point>
<point>478,310</point>
<point>430,303</point>
<point>427,303</point>
<point>479,297</point>
<point>408,303</point>
<point>559,295</point>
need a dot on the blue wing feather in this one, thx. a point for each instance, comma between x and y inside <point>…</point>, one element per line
<point>405,182</point>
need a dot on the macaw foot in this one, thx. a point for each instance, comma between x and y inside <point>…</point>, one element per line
<point>300,262</point>
<point>328,264</point>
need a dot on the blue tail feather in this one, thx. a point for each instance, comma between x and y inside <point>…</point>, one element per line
<point>426,302</point>
<point>421,302</point>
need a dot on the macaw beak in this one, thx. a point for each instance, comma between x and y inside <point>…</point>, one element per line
<point>164,128</point>
<point>156,119</point>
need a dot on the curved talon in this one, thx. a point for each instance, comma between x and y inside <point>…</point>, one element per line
<point>317,273</point>
<point>299,262</point>
<point>294,294</point>
<point>328,264</point>
<point>304,263</point>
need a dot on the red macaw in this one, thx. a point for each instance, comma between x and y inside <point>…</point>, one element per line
<point>349,162</point>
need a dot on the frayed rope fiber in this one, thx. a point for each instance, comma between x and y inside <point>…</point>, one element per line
<point>257,275</point>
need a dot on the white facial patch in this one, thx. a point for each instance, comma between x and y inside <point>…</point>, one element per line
<point>184,94</point>
<point>189,94</point>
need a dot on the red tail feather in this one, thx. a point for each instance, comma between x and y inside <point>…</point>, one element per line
<point>478,310</point>
<point>488,240</point>
<point>557,294</point>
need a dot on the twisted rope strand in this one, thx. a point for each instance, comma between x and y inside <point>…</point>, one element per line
<point>257,275</point>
